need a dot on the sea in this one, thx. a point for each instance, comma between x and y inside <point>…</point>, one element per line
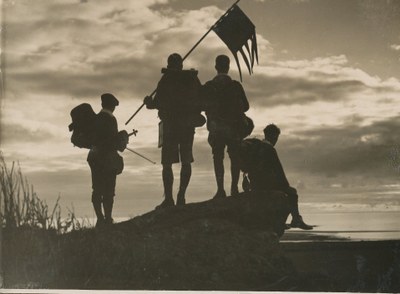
<point>355,225</point>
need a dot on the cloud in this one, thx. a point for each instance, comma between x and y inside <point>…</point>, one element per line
<point>68,52</point>
<point>18,133</point>
<point>395,47</point>
<point>380,15</point>
<point>90,46</point>
<point>120,49</point>
<point>347,151</point>
<point>329,80</point>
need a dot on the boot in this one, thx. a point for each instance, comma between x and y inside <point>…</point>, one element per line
<point>168,182</point>
<point>234,191</point>
<point>168,202</point>
<point>108,206</point>
<point>180,199</point>
<point>246,183</point>
<point>99,214</point>
<point>186,173</point>
<point>220,194</point>
<point>219,177</point>
<point>297,222</point>
<point>99,223</point>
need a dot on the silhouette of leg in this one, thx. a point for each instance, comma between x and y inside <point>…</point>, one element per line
<point>219,176</point>
<point>109,181</point>
<point>108,206</point>
<point>297,219</point>
<point>186,172</point>
<point>97,186</point>
<point>218,150</point>
<point>97,210</point>
<point>235,173</point>
<point>293,201</point>
<point>168,181</point>
<point>233,151</point>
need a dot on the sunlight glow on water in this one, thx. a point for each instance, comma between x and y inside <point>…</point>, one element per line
<point>360,225</point>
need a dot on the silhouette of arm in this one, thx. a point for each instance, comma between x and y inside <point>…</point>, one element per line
<point>242,95</point>
<point>198,103</point>
<point>159,97</point>
<point>208,94</point>
<point>278,169</point>
<point>107,130</point>
<point>155,102</point>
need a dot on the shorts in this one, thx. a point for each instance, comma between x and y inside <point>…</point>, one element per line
<point>218,141</point>
<point>103,182</point>
<point>177,144</point>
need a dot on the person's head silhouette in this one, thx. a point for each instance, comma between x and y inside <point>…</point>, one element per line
<point>175,61</point>
<point>222,64</point>
<point>271,133</point>
<point>108,101</point>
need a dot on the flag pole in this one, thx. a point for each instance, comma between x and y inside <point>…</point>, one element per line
<point>187,54</point>
<point>211,28</point>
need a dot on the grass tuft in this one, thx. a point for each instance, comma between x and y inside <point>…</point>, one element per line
<point>20,206</point>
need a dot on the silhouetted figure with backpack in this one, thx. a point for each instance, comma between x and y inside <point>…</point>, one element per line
<point>104,161</point>
<point>268,174</point>
<point>177,101</point>
<point>226,103</point>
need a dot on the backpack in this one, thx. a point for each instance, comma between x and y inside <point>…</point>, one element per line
<point>221,99</point>
<point>249,153</point>
<point>246,126</point>
<point>82,126</point>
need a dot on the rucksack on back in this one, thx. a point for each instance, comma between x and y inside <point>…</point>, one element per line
<point>230,104</point>
<point>82,126</point>
<point>249,154</point>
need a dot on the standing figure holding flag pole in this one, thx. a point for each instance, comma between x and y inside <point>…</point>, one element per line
<point>178,88</point>
<point>177,101</point>
<point>235,29</point>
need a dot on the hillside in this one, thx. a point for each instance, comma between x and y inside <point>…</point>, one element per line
<point>227,244</point>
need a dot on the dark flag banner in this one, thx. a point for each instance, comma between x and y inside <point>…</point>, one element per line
<point>236,30</point>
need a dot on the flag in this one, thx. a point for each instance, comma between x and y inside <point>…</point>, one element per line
<point>235,29</point>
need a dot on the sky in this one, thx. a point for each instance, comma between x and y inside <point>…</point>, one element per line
<point>328,76</point>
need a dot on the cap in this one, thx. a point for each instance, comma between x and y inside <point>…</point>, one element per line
<point>109,99</point>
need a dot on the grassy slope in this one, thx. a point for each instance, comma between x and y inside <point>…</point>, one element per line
<point>214,245</point>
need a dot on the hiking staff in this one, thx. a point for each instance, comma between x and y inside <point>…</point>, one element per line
<point>133,151</point>
<point>122,139</point>
<point>187,54</point>
<point>134,132</point>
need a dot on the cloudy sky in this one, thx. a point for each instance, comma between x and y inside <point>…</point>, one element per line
<point>328,76</point>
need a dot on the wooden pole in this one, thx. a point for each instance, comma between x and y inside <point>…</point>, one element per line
<point>133,151</point>
<point>187,54</point>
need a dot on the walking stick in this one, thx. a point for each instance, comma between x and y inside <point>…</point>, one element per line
<point>187,54</point>
<point>133,151</point>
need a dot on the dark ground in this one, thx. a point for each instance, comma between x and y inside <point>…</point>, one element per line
<point>229,244</point>
<point>360,266</point>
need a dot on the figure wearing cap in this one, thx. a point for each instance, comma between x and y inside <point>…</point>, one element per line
<point>177,101</point>
<point>104,160</point>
